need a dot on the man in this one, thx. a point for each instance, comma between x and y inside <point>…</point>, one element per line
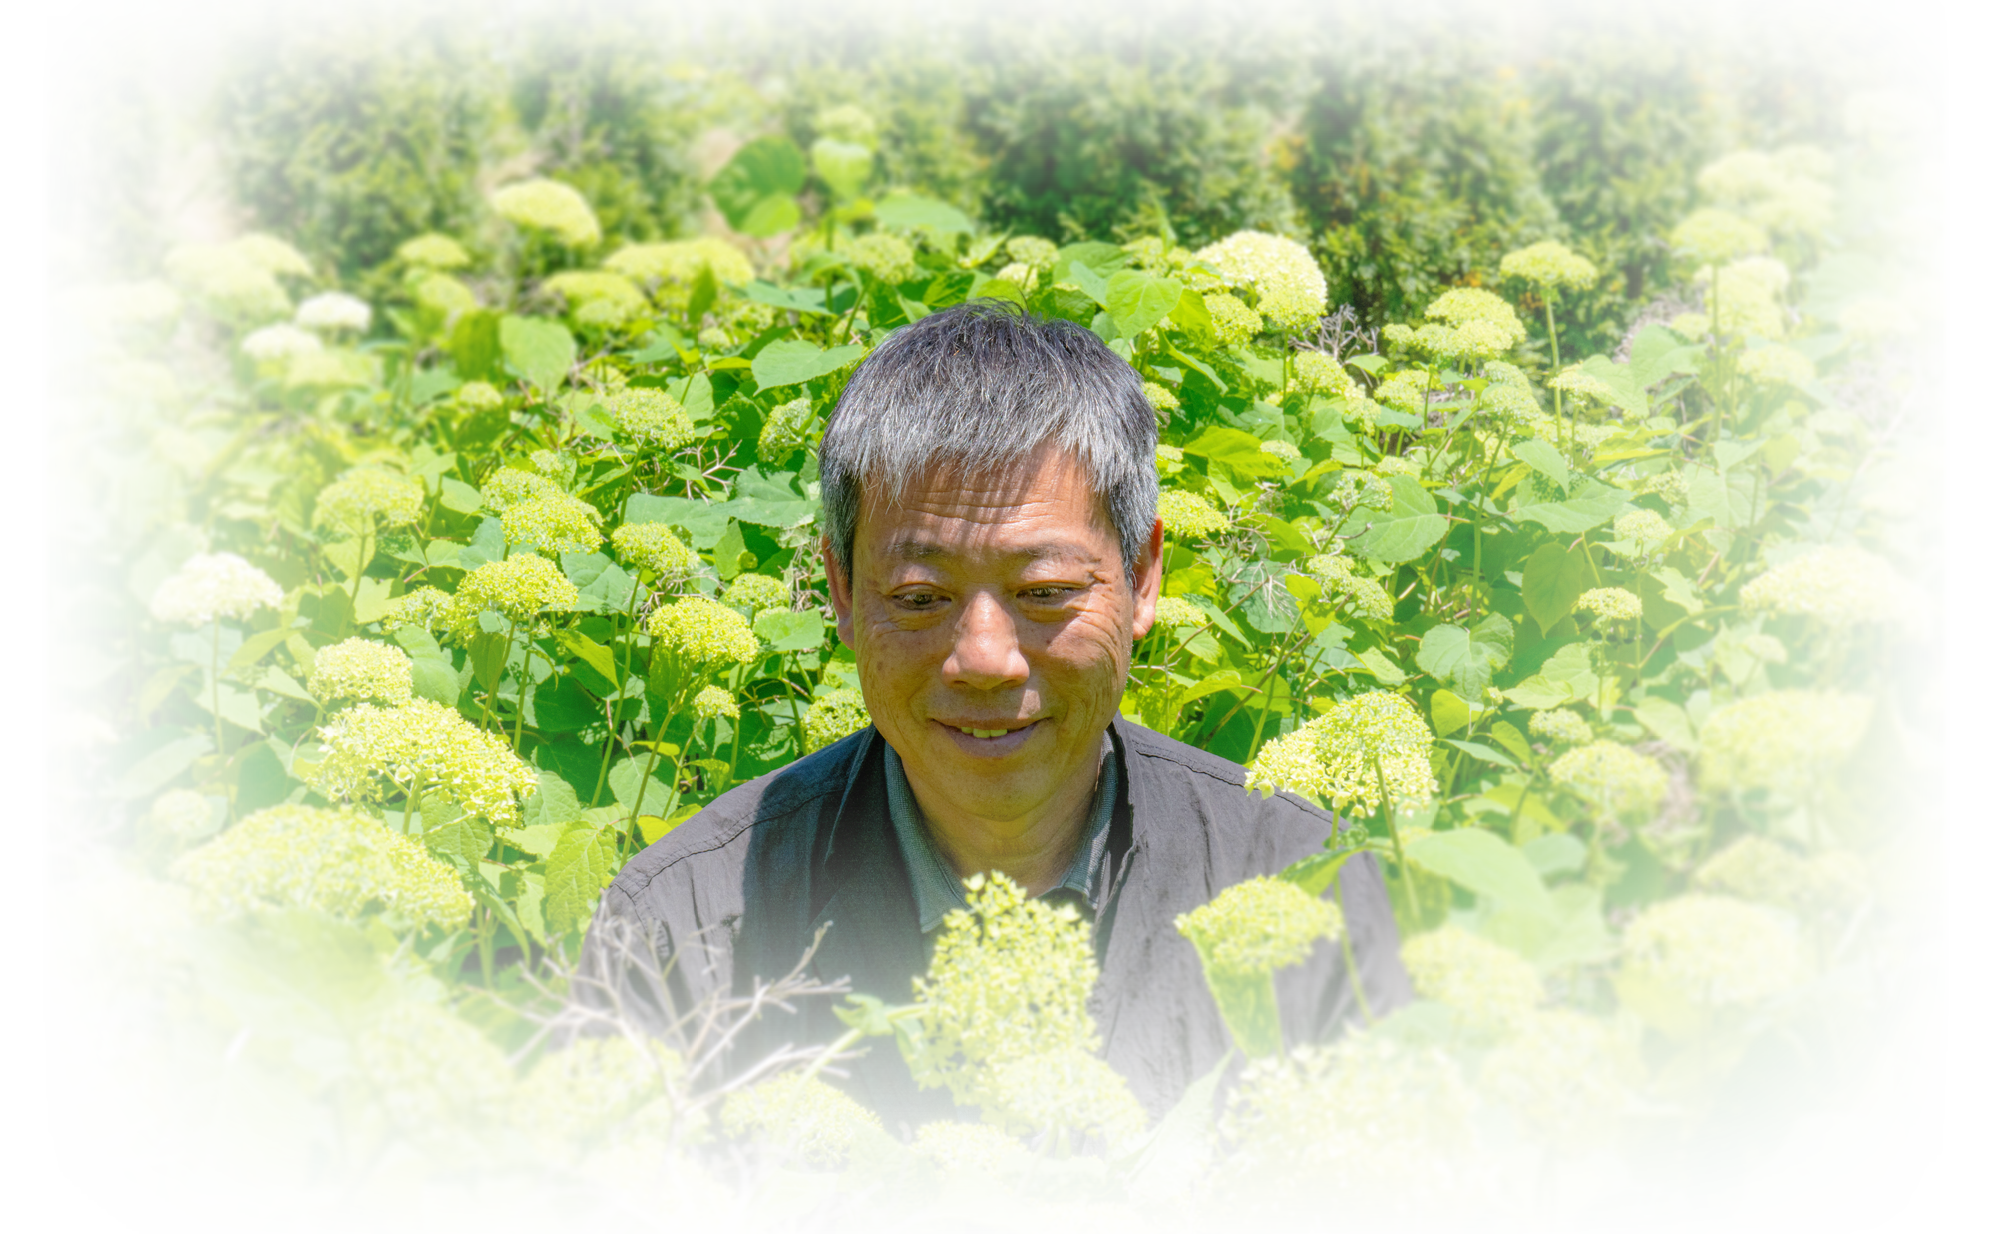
<point>992,553</point>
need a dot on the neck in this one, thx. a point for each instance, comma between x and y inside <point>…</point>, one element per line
<point>1034,850</point>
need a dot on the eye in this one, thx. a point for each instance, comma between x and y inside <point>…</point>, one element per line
<point>1049,592</point>
<point>918,599</point>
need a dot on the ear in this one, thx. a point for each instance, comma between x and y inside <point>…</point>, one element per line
<point>840,592</point>
<point>1146,579</point>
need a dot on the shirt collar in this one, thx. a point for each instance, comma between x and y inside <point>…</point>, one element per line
<point>939,891</point>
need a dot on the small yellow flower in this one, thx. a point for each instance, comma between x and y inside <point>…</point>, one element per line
<point>1189,515</point>
<point>833,716</point>
<point>360,668</point>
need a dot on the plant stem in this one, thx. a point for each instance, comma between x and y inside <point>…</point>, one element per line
<point>215,679</point>
<point>1388,812</point>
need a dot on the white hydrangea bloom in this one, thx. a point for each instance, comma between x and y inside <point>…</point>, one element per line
<point>212,586</point>
<point>333,310</point>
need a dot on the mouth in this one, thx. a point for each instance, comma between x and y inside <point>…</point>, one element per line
<point>989,738</point>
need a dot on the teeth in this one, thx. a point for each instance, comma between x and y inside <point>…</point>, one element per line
<point>984,732</point>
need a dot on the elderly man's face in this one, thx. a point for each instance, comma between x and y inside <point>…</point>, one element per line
<point>993,622</point>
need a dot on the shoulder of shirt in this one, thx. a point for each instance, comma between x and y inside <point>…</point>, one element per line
<point>724,827</point>
<point>1155,754</point>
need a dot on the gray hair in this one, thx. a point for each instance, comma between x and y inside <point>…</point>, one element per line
<point>977,388</point>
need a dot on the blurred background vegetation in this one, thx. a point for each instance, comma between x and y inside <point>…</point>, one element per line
<point>1409,153</point>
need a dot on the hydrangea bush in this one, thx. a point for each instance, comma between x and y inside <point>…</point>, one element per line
<point>489,573</point>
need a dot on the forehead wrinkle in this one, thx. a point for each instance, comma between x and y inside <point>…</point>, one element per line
<point>914,549</point>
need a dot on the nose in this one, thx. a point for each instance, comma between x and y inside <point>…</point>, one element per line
<point>986,652</point>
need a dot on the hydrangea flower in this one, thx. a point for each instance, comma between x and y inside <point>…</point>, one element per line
<point>367,495</point>
<point>438,1078</point>
<point>1615,778</point>
<point>757,592</point>
<point>1174,612</point>
<point>1712,236</point>
<point>1872,319</point>
<point>575,1098</point>
<point>1064,1090</point>
<point>551,206</point>
<point>508,486</point>
<point>1773,190</point>
<point>1741,297</point>
<point>811,1122</point>
<point>182,816</point>
<point>676,264</point>
<point>1784,739</point>
<point>478,396</point>
<point>1671,485</point>
<point>334,861</point>
<point>1713,951</point>
<point>1369,600</point>
<point>715,703</point>
<point>697,630</point>
<point>233,280</point>
<point>211,586</point>
<point>972,1148</point>
<point>1370,1114</point>
<point>1840,586</point>
<point>882,254</point>
<point>1259,926</point>
<point>333,310</point>
<point>1033,252</point>
<point>553,523</point>
<point>434,252</point>
<point>1159,397</point>
<point>1487,985</point>
<point>421,748</point>
<point>1564,1073</point>
<point>1190,515</point>
<point>1235,322</point>
<point>848,123</point>
<point>654,547</point>
<point>1290,289</point>
<point>1763,871</point>
<point>75,731</point>
<point>651,417</point>
<point>425,607</point>
<point>1560,724</point>
<point>1020,274</point>
<point>1549,264</point>
<point>1610,604</point>
<point>1009,980</point>
<point>445,296</point>
<point>519,589</point>
<point>789,428</point>
<point>1574,380</point>
<point>360,668</point>
<point>1777,365</point>
<point>279,343</point>
<point>1462,306</point>
<point>1334,757</point>
<point>1644,530</point>
<point>1319,373</point>
<point>834,715</point>
<point>582,289</point>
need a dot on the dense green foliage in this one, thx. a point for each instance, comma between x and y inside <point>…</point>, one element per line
<point>1799,61</point>
<point>1113,119</point>
<point>103,127</point>
<point>425,610</point>
<point>353,127</point>
<point>593,87</point>
<point>1415,167</point>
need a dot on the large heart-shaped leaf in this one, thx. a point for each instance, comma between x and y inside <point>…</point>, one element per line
<point>767,169</point>
<point>539,352</point>
<point>793,361</point>
<point>1404,531</point>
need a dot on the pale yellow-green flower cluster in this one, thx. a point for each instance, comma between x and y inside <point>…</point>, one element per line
<point>1714,951</point>
<point>1009,979</point>
<point>834,715</point>
<point>421,748</point>
<point>333,310</point>
<point>1020,274</point>
<point>445,296</point>
<point>1712,236</point>
<point>1063,1089</point>
<point>1158,397</point>
<point>1282,449</point>
<point>238,279</point>
<point>808,1120</point>
<point>1370,601</point>
<point>1363,1137</point>
<point>437,1077</point>
<point>1033,252</point>
<point>1610,604</point>
<point>141,915</point>
<point>1487,985</point>
<point>553,523</point>
<point>1563,1072</point>
<point>715,703</point>
<point>1560,724</point>
<point>1259,926</point>
<point>1575,381</point>
<point>1408,391</point>
<point>1550,265</point>
<point>1235,322</point>
<point>520,589</point>
<point>509,486</point>
<point>1613,777</point>
<point>593,1089</point>
<point>654,547</point>
<point>1840,586</point>
<point>75,731</point>
<point>276,345</point>
<point>1316,372</point>
<point>1290,289</point>
<point>1190,515</point>
<point>1642,529</point>
<point>1174,612</point>
<point>335,861</point>
<point>598,297</point>
<point>362,669</point>
<point>1766,872</point>
<point>697,630</point>
<point>183,816</point>
<point>790,427</point>
<point>1780,740</point>
<point>651,417</point>
<point>973,1148</point>
<point>433,252</point>
<point>1478,324</point>
<point>551,206</point>
<point>364,495</point>
<point>426,607</point>
<point>882,254</point>
<point>1777,365</point>
<point>478,396</point>
<point>757,592</point>
<point>675,265</point>
<point>1336,756</point>
<point>211,586</point>
<point>1784,191</point>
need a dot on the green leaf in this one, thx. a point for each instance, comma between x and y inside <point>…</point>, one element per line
<point>1403,532</point>
<point>1192,318</point>
<point>788,631</point>
<point>1467,659</point>
<point>1510,739</point>
<point>1831,1173</point>
<point>155,769</point>
<point>457,495</point>
<point>462,841</point>
<point>1556,853</point>
<point>1386,670</point>
<point>1449,712</point>
<point>1678,589</point>
<point>771,216</point>
<point>1483,752</point>
<point>1589,504</point>
<point>593,658</point>
<point>1238,450</point>
<point>1484,864</point>
<point>1137,302</point>
<point>575,876</point>
<point>625,786</point>
<point>539,352</point>
<point>488,654</point>
<point>434,680</point>
<point>245,1129</point>
<point>767,168</point>
<point>973,1197</point>
<point>1627,390</point>
<point>1551,580</point>
<point>910,211</point>
<point>65,337</point>
<point>297,977</point>
<point>1544,458</point>
<point>562,705</point>
<point>798,299</point>
<point>792,361</point>
<point>554,803</point>
<point>1666,721</point>
<point>843,165</point>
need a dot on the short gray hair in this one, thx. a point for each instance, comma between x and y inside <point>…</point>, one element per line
<point>978,388</point>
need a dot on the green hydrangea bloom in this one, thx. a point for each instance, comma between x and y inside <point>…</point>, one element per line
<point>1334,756</point>
<point>1575,381</point>
<point>808,1120</point>
<point>654,547</point>
<point>520,589</point>
<point>1190,515</point>
<point>1784,739</point>
<point>882,254</point>
<point>425,607</point>
<point>509,486</point>
<point>1549,264</point>
<point>789,428</point>
<point>1712,236</point>
<point>433,251</point>
<point>181,816</point>
<point>1777,365</point>
<point>1316,372</point>
<point>715,703</point>
<point>675,265</point>
<point>1033,252</point>
<point>421,748</point>
<point>757,592</point>
<point>834,715</point>
<point>1290,289</point>
<point>211,586</point>
<point>553,523</point>
<point>360,668</point>
<point>697,630</point>
<point>551,206</point>
<point>275,347</point>
<point>1840,586</point>
<point>1065,1090</point>
<point>1643,530</point>
<point>1610,604</point>
<point>1174,612</point>
<point>612,298</point>
<point>1616,778</point>
<point>1259,926</point>
<point>1366,597</point>
<point>1713,951</point>
<point>1236,323</point>
<point>1484,983</point>
<point>651,417</point>
<point>1159,397</point>
<point>478,396</point>
<point>1560,724</point>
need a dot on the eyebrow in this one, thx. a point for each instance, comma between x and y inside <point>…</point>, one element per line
<point>931,550</point>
